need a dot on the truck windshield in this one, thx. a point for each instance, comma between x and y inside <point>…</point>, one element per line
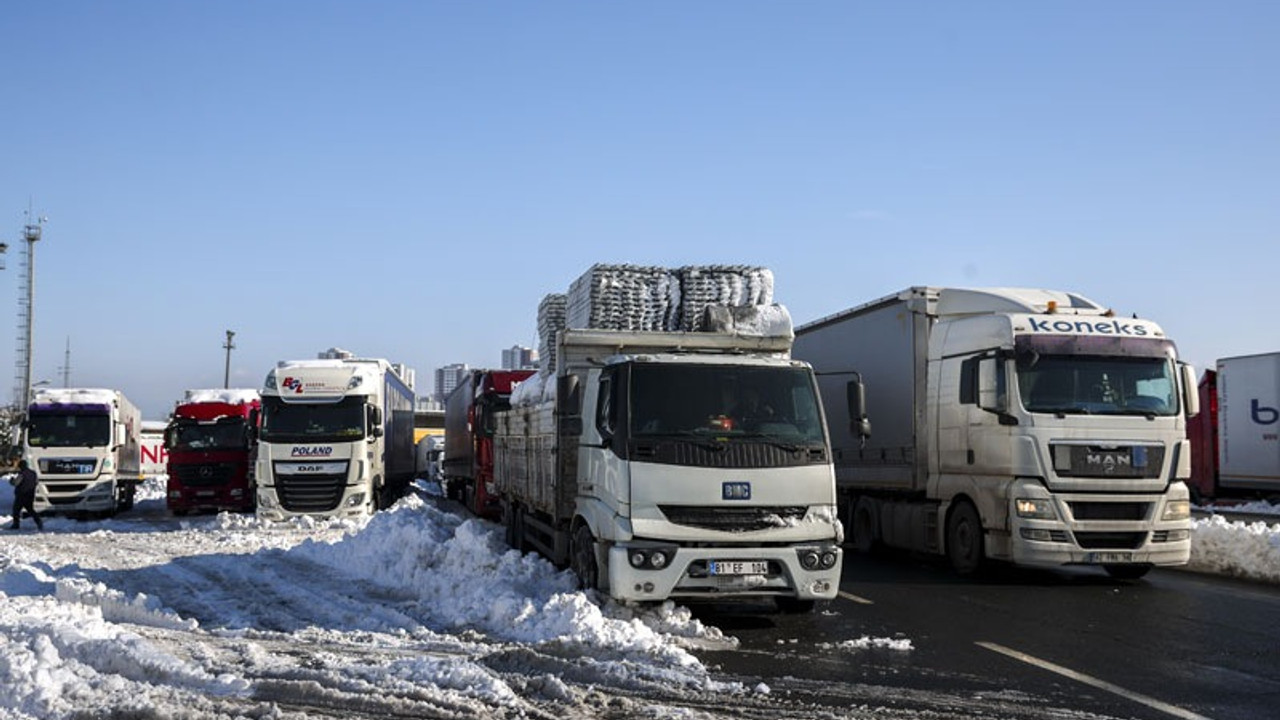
<point>72,430</point>
<point>312,422</point>
<point>226,434</point>
<point>774,403</point>
<point>1066,384</point>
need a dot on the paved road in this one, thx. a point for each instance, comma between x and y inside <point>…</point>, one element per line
<point>1021,644</point>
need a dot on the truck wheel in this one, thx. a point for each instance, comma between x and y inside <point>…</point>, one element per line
<point>515,527</point>
<point>964,539</point>
<point>1126,572</point>
<point>583,559</point>
<point>864,526</point>
<point>126,498</point>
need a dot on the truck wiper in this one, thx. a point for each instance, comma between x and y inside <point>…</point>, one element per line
<point>774,440</point>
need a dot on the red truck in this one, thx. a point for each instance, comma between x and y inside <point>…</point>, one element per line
<point>212,442</point>
<point>1235,444</point>
<point>468,437</point>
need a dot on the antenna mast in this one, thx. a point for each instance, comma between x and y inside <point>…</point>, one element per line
<point>26,310</point>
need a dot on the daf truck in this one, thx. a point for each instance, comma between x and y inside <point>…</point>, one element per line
<point>211,441</point>
<point>85,445</point>
<point>336,438</point>
<point>1023,425</point>
<point>636,464</point>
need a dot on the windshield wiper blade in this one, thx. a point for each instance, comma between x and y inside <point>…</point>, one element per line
<point>775,441</point>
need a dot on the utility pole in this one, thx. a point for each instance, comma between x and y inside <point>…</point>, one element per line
<point>226,378</point>
<point>66,365</point>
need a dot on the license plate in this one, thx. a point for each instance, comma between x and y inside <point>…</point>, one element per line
<point>205,493</point>
<point>1109,557</point>
<point>739,567</point>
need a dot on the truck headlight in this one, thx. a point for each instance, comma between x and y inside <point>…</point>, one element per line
<point>1038,509</point>
<point>1177,510</point>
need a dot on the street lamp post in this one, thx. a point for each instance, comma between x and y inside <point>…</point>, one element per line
<point>226,377</point>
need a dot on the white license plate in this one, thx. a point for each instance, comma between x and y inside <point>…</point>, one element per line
<point>1109,557</point>
<point>739,567</point>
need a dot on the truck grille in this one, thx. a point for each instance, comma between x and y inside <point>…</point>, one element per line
<point>732,519</point>
<point>204,474</point>
<point>738,455</point>
<point>310,493</point>
<point>1110,510</point>
<point>1110,540</point>
<point>1137,461</point>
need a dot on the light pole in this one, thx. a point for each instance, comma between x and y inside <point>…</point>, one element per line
<point>226,377</point>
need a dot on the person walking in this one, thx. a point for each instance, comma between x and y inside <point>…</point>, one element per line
<point>24,495</point>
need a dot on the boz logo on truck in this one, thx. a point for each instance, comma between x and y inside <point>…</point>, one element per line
<point>298,451</point>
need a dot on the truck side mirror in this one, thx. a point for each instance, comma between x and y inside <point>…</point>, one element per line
<point>992,394</point>
<point>856,396</point>
<point>1190,389</point>
<point>120,436</point>
<point>375,421</point>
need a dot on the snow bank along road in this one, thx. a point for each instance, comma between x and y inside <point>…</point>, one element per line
<point>414,613</point>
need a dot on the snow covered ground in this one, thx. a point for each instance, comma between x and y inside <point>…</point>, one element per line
<point>415,612</point>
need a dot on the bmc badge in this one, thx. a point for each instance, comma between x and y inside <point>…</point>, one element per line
<point>736,491</point>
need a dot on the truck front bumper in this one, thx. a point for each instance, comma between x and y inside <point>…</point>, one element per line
<point>1099,529</point>
<point>805,572</point>
<point>355,502</point>
<point>74,496</point>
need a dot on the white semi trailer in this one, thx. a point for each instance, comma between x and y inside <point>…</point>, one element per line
<point>1025,425</point>
<point>336,438</point>
<point>85,445</point>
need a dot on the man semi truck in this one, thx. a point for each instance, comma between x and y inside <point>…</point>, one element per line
<point>85,444</point>
<point>1026,425</point>
<point>629,466</point>
<point>336,438</point>
<point>468,450</point>
<point>211,439</point>
<point>1235,439</point>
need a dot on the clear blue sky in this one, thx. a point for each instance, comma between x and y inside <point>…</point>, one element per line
<point>409,179</point>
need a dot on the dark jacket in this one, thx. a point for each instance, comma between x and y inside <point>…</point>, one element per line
<point>26,482</point>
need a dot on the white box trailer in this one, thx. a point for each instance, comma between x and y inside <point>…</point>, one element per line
<point>1249,423</point>
<point>1008,423</point>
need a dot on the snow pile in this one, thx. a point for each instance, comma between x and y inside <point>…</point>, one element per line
<point>1247,550</point>
<point>230,396</point>
<point>464,577</point>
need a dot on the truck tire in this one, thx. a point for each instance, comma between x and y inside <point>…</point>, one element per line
<point>1126,572</point>
<point>964,539</point>
<point>582,559</point>
<point>514,521</point>
<point>864,526</point>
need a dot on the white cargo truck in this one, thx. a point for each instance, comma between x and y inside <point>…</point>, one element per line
<point>1026,425</point>
<point>638,463</point>
<point>336,438</point>
<point>1249,425</point>
<point>85,445</point>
